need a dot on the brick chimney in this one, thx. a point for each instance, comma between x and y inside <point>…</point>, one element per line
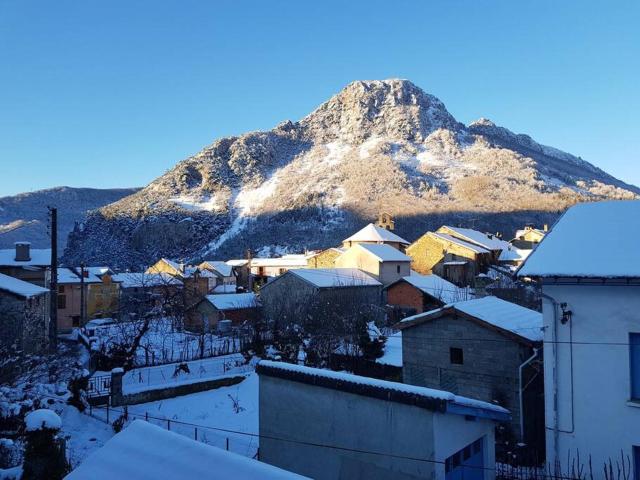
<point>23,251</point>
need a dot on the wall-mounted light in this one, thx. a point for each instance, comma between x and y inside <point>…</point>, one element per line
<point>566,314</point>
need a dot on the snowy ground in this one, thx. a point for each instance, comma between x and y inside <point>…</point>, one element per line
<point>210,415</point>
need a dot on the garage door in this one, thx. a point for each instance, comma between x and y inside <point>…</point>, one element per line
<point>467,464</point>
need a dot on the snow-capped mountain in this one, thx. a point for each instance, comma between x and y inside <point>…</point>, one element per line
<point>375,146</point>
<point>24,217</point>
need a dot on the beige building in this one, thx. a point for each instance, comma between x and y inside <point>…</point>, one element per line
<point>383,262</point>
<point>449,257</point>
<point>373,234</point>
<point>529,237</point>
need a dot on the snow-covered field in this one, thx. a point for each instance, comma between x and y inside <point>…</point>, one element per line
<point>213,417</point>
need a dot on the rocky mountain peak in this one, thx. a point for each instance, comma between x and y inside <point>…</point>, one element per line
<point>391,108</point>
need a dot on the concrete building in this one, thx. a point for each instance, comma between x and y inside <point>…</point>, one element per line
<point>26,263</point>
<point>449,257</point>
<point>483,348</point>
<point>373,234</point>
<point>588,267</point>
<point>383,262</point>
<point>412,432</point>
<point>24,315</point>
<point>421,293</point>
<point>207,313</point>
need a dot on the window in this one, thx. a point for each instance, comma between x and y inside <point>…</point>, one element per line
<point>636,462</point>
<point>456,356</point>
<point>634,365</point>
<point>60,288</point>
<point>62,301</point>
<point>398,268</point>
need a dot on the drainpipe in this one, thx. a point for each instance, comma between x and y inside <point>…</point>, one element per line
<point>520,369</point>
<point>554,347</point>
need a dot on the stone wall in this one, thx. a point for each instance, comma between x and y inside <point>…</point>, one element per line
<point>119,398</point>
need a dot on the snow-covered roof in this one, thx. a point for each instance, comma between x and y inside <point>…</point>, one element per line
<point>373,233</point>
<point>392,351</point>
<point>335,277</point>
<point>591,240</point>
<point>233,301</point>
<point>41,419</point>
<point>468,245</point>
<point>485,240</point>
<point>238,262</point>
<point>143,451</point>
<point>142,279</point>
<point>438,287</point>
<point>225,288</point>
<point>19,287</point>
<point>40,257</point>
<point>492,310</point>
<point>98,271</point>
<point>285,261</point>
<point>223,268</point>
<point>383,252</point>
<point>513,254</point>
<point>522,232</point>
<point>399,392</point>
<point>69,275</point>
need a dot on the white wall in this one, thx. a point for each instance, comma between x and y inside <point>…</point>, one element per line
<point>454,432</point>
<point>597,418</point>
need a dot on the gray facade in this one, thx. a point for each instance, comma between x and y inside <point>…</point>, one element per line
<point>24,321</point>
<point>489,370</point>
<point>289,298</point>
<point>301,420</point>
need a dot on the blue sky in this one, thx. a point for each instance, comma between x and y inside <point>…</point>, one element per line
<point>112,94</point>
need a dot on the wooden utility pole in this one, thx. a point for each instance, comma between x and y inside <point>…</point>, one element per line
<point>83,308</point>
<point>53,282</point>
<point>249,275</point>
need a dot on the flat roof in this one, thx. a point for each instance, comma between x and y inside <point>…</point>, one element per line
<point>427,398</point>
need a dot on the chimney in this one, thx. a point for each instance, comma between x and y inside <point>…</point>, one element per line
<point>23,251</point>
<point>546,227</point>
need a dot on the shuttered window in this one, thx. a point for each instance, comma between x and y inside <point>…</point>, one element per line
<point>634,364</point>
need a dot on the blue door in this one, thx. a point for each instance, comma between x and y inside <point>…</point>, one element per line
<point>466,464</point>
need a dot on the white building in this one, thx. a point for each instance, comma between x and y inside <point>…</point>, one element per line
<point>589,268</point>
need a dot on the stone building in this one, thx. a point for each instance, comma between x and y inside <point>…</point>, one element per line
<point>24,315</point>
<point>484,348</point>
<point>319,294</point>
<point>489,241</point>
<point>303,408</point>
<point>325,258</point>
<point>449,257</point>
<point>383,262</point>
<point>223,278</point>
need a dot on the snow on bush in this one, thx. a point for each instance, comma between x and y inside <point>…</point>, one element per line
<point>42,419</point>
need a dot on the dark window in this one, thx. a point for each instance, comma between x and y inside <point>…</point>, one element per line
<point>456,459</point>
<point>634,364</point>
<point>477,446</point>
<point>60,288</point>
<point>62,301</point>
<point>76,320</point>
<point>398,268</point>
<point>466,453</point>
<point>455,355</point>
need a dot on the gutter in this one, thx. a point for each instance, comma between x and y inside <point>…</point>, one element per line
<point>520,368</point>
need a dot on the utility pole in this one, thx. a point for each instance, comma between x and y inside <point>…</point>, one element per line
<point>83,308</point>
<point>53,282</point>
<point>249,275</point>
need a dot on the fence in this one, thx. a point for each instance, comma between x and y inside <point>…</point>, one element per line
<point>245,444</point>
<point>174,373</point>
